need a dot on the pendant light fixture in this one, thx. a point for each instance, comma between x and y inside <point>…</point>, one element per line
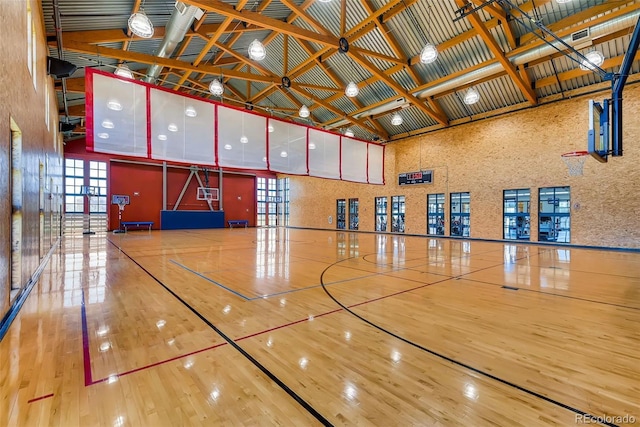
<point>396,120</point>
<point>123,71</point>
<point>304,111</point>
<point>472,96</point>
<point>216,87</point>
<point>257,51</point>
<point>140,24</point>
<point>352,90</point>
<point>595,58</point>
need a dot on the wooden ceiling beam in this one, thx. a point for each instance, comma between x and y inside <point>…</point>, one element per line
<point>443,120</point>
<point>165,62</point>
<point>491,42</point>
<point>256,18</point>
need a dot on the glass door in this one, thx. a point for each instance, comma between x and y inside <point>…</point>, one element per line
<point>397,214</point>
<point>517,216</point>
<point>341,214</point>
<point>353,214</point>
<point>554,215</point>
<point>381,213</point>
<point>460,214</point>
<point>435,214</point>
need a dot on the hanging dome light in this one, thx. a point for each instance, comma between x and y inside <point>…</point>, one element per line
<point>304,111</point>
<point>429,54</point>
<point>123,71</point>
<point>348,133</point>
<point>216,88</point>
<point>257,51</point>
<point>595,58</point>
<point>351,90</point>
<point>471,97</point>
<point>396,120</point>
<point>141,25</point>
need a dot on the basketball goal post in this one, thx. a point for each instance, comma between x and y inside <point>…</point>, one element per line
<point>121,200</point>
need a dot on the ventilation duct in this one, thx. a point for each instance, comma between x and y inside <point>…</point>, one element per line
<point>177,27</point>
<point>605,28</point>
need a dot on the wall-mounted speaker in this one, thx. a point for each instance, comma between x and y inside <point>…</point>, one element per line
<point>59,68</point>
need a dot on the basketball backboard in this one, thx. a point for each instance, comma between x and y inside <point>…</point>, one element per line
<point>207,193</point>
<point>598,138</point>
<point>119,199</point>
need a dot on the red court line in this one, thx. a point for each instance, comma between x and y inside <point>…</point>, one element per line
<point>275,328</point>
<point>159,363</point>
<point>35,399</point>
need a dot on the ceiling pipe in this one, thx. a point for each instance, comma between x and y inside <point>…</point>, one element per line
<point>179,23</point>
<point>605,28</point>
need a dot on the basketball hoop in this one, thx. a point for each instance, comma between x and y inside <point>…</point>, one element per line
<point>121,205</point>
<point>575,161</point>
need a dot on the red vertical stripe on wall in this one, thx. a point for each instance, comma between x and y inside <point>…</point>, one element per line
<point>88,83</point>
<point>340,157</point>
<point>384,147</point>
<point>267,153</point>
<point>215,133</point>
<point>368,163</point>
<point>148,95</point>
<point>308,150</point>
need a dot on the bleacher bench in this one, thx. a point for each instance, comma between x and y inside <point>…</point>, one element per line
<point>233,222</point>
<point>136,224</point>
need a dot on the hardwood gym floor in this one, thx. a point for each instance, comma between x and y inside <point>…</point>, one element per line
<point>301,327</point>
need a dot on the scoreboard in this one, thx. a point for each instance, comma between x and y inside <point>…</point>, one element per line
<point>420,177</point>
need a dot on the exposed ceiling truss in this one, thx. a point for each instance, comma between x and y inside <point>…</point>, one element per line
<point>315,48</point>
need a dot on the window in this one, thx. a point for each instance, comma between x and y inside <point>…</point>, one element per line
<point>353,214</point>
<point>517,214</point>
<point>266,200</point>
<point>554,215</point>
<point>341,214</point>
<point>460,214</point>
<point>381,213</point>
<point>98,181</point>
<point>435,214</point>
<point>283,191</point>
<point>397,214</point>
<point>73,182</point>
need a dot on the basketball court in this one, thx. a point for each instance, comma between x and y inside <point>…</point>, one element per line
<point>269,326</point>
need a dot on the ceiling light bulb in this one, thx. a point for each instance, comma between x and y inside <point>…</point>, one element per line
<point>396,120</point>
<point>304,111</point>
<point>114,105</point>
<point>190,111</point>
<point>162,137</point>
<point>351,90</point>
<point>141,25</point>
<point>244,139</point>
<point>257,51</point>
<point>216,88</point>
<point>107,124</point>
<point>429,54</point>
<point>348,133</point>
<point>594,59</point>
<point>123,71</point>
<point>172,127</point>
<point>471,97</point>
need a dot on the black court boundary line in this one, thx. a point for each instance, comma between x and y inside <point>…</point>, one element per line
<point>553,294</point>
<point>231,342</point>
<point>458,363</point>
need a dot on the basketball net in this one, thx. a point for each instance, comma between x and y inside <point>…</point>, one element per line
<point>121,205</point>
<point>575,162</point>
